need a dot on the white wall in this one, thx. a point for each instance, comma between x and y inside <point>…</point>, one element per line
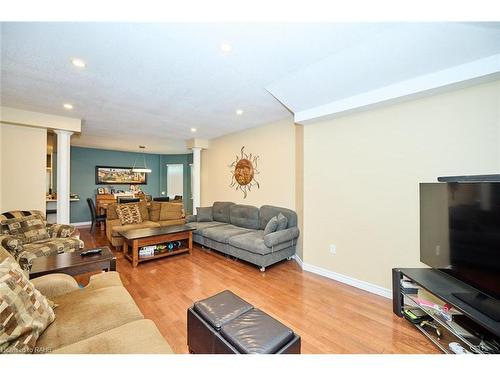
<point>23,162</point>
<point>361,176</point>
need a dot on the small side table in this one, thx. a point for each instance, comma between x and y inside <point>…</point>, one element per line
<point>73,263</point>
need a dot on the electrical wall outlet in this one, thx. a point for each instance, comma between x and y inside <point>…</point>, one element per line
<point>333,249</point>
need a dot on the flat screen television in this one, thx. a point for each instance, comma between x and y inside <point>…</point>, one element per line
<point>460,235</point>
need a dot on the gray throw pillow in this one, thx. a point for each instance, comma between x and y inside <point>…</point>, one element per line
<point>203,214</point>
<point>271,226</point>
<point>282,222</point>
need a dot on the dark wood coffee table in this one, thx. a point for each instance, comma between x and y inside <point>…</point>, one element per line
<point>137,238</point>
<point>73,263</point>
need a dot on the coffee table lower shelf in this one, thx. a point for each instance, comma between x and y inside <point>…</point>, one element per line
<point>131,245</point>
<point>156,256</point>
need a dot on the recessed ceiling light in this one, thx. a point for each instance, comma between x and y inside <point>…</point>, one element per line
<point>193,130</point>
<point>78,63</point>
<point>239,112</point>
<point>68,106</point>
<point>226,47</point>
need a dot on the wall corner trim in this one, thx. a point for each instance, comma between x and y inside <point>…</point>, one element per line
<point>360,284</point>
<point>478,71</point>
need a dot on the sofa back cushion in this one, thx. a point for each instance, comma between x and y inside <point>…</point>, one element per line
<point>129,213</point>
<point>267,212</point>
<point>28,228</point>
<point>171,211</point>
<point>244,216</point>
<point>220,211</point>
<point>17,214</point>
<point>154,211</point>
<point>25,313</point>
<point>111,211</point>
<point>143,208</point>
<point>204,214</point>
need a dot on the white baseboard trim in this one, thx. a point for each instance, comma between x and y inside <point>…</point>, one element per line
<point>360,284</point>
<point>299,261</point>
<point>82,224</point>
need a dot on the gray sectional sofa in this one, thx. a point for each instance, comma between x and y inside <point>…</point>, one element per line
<point>238,230</point>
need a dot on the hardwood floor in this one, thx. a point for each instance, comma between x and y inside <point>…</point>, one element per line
<point>331,317</point>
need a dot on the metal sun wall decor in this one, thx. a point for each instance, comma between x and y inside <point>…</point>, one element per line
<point>243,172</point>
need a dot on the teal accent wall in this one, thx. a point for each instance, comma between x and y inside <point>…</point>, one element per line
<point>83,163</point>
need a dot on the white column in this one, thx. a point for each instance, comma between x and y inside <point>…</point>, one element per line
<point>196,178</point>
<point>63,175</point>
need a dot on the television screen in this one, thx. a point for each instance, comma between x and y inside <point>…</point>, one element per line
<point>460,232</point>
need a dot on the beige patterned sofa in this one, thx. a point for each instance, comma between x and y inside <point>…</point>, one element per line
<point>101,318</point>
<point>46,239</point>
<point>157,214</point>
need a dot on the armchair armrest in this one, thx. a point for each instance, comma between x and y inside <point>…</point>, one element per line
<point>62,230</point>
<point>13,244</point>
<point>191,218</point>
<point>55,284</point>
<point>275,238</point>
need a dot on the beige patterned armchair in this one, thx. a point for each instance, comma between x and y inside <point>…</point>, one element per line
<point>27,235</point>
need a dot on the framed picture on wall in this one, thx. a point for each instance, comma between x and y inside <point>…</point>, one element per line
<point>105,175</point>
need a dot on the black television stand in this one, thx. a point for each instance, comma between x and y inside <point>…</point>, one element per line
<point>474,330</point>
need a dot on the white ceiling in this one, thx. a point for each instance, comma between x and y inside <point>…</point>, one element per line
<point>397,53</point>
<point>150,83</point>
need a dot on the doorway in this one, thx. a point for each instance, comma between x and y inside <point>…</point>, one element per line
<point>175,180</point>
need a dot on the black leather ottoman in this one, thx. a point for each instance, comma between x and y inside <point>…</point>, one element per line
<point>226,324</point>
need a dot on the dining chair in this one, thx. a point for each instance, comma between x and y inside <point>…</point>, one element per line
<point>161,199</point>
<point>95,217</point>
<point>128,200</point>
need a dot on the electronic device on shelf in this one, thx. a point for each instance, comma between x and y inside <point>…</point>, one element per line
<point>459,235</point>
<point>91,252</point>
<point>416,315</point>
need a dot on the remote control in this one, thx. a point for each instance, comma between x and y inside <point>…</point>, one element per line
<point>90,252</point>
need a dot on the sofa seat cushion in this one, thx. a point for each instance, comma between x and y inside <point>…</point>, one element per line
<point>62,230</point>
<point>253,242</point>
<point>88,312</point>
<point>138,337</point>
<point>223,233</point>
<point>120,228</point>
<point>201,225</point>
<point>48,247</point>
<point>104,280</point>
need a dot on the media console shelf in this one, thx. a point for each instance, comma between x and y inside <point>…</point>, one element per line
<point>473,330</point>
